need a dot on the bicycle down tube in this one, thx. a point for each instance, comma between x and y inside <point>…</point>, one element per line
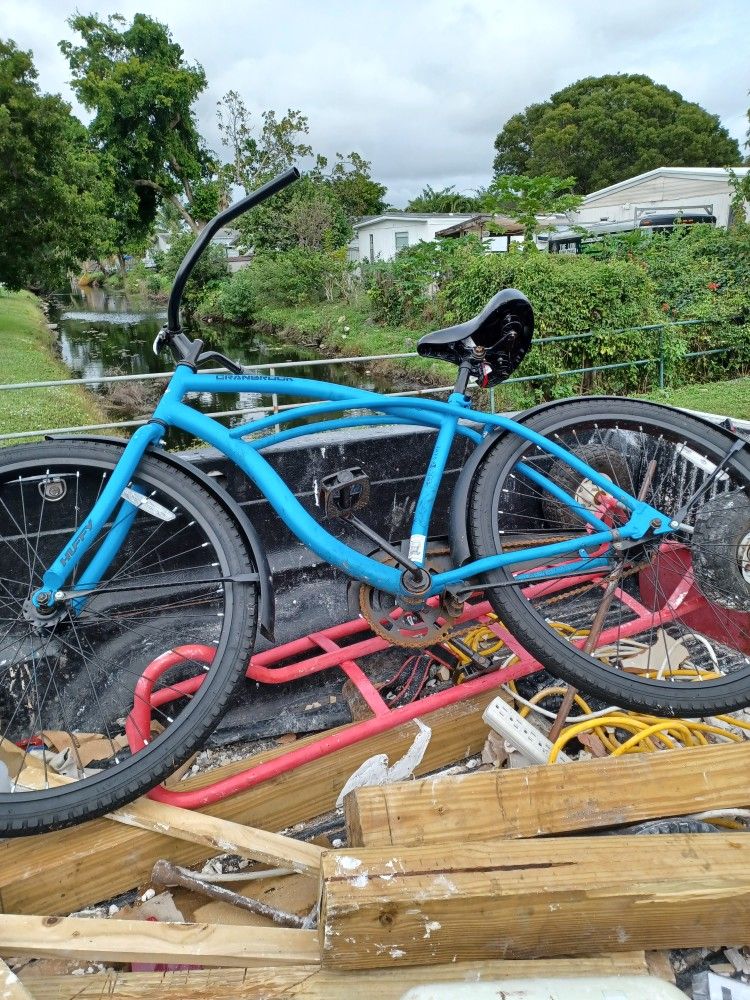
<point>330,398</point>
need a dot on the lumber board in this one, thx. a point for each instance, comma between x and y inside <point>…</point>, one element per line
<point>222,835</point>
<point>293,893</point>
<point>96,939</point>
<point>11,987</point>
<point>59,872</point>
<point>541,800</point>
<point>310,983</point>
<point>533,898</point>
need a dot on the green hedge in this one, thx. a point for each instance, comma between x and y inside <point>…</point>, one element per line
<point>569,295</point>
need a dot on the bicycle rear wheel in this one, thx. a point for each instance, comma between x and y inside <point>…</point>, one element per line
<point>673,636</point>
<point>105,698</point>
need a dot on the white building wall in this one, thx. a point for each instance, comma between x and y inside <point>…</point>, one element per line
<point>384,235</point>
<point>668,191</point>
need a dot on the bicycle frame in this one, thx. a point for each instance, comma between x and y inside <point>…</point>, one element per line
<point>449,418</point>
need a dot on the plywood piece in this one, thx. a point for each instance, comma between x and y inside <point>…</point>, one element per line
<point>533,898</point>
<point>142,941</point>
<point>69,869</point>
<point>541,800</point>
<point>309,983</point>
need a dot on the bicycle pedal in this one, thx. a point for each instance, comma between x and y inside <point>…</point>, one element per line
<point>345,491</point>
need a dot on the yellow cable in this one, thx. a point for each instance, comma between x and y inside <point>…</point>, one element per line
<point>645,728</point>
<point>622,721</point>
<point>732,721</point>
<point>648,731</point>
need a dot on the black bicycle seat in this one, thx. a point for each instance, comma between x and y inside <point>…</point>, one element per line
<point>504,328</point>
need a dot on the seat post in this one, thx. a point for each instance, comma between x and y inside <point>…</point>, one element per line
<point>462,378</point>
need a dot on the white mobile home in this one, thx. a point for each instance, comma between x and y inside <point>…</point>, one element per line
<point>677,188</point>
<point>380,237</point>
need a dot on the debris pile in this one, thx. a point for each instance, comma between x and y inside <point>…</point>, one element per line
<point>399,865</point>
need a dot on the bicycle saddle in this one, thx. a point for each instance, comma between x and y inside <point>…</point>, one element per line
<point>504,329</point>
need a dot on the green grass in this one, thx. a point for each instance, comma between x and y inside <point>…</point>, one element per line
<point>27,355</point>
<point>729,399</point>
<point>324,325</point>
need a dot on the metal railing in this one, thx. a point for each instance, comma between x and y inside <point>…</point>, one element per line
<point>272,368</point>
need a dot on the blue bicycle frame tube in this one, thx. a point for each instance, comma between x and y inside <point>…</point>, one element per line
<point>102,510</point>
<point>449,418</point>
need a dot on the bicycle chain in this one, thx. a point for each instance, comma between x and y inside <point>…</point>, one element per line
<point>437,633</point>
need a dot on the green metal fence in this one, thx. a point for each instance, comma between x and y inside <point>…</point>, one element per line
<point>659,360</point>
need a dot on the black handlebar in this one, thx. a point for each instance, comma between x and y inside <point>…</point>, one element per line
<point>189,261</point>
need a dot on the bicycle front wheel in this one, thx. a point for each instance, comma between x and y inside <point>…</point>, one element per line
<point>103,698</point>
<point>665,628</point>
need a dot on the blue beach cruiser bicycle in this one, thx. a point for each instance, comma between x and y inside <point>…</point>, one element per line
<point>611,536</point>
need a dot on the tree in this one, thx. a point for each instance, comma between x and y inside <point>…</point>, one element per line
<point>136,81</point>
<point>525,198</point>
<point>443,200</point>
<point>605,129</point>
<point>259,154</point>
<point>52,184</point>
<point>308,214</point>
<point>352,183</point>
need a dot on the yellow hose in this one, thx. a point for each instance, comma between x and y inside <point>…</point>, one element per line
<point>647,730</point>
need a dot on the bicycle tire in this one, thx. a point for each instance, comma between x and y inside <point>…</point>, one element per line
<point>500,510</point>
<point>170,579</point>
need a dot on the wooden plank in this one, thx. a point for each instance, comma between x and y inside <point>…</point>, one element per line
<point>11,987</point>
<point>66,870</point>
<point>318,984</point>
<point>144,941</point>
<point>293,893</point>
<point>533,898</point>
<point>221,835</point>
<point>540,800</point>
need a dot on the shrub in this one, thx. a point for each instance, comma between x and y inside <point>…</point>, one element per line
<point>298,275</point>
<point>699,273</point>
<point>234,300</point>
<point>569,295</point>
<point>292,278</point>
<point>403,290</point>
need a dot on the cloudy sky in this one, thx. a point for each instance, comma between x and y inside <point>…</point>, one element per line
<point>421,87</point>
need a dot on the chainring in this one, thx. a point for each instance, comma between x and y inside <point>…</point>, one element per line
<point>412,628</point>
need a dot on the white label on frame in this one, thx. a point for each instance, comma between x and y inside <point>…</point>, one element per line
<point>416,547</point>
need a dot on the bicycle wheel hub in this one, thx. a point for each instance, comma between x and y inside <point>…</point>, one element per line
<point>43,616</point>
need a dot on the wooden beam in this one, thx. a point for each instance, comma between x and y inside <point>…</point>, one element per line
<point>69,869</point>
<point>11,987</point>
<point>540,800</point>
<point>533,898</point>
<point>309,983</point>
<point>145,941</point>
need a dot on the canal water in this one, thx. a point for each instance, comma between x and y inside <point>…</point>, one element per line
<point>103,333</point>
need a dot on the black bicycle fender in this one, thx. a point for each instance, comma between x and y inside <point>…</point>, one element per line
<point>232,508</point>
